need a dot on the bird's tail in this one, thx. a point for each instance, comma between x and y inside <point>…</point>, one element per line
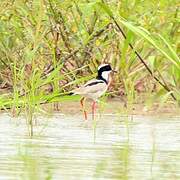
<point>71,93</point>
<point>74,92</point>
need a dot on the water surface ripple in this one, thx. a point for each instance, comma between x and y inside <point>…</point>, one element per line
<point>113,147</point>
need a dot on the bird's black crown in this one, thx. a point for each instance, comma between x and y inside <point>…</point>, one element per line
<point>104,67</point>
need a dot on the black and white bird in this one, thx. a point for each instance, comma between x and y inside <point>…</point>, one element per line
<point>95,88</point>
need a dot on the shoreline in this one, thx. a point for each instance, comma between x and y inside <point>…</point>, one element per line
<point>114,106</point>
<point>109,106</point>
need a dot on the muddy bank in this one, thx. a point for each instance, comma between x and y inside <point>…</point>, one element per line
<point>116,106</point>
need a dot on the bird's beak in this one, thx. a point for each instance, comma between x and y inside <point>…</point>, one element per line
<point>114,71</point>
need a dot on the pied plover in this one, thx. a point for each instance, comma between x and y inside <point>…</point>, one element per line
<point>95,88</point>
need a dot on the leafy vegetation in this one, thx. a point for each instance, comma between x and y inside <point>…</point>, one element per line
<point>49,46</point>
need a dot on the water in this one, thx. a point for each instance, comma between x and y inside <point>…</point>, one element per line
<point>67,147</point>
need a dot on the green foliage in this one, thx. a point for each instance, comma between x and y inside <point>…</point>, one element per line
<point>59,44</point>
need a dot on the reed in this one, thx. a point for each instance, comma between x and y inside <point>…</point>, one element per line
<point>48,47</point>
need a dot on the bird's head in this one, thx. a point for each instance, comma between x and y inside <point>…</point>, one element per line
<point>104,71</point>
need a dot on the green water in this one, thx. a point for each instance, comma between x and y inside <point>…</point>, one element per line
<point>67,147</point>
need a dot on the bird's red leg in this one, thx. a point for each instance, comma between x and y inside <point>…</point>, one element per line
<point>93,109</point>
<point>82,104</point>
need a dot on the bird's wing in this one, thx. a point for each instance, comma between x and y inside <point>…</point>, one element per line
<point>93,82</point>
<point>91,86</point>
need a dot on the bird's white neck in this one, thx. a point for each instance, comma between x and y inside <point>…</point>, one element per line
<point>105,75</point>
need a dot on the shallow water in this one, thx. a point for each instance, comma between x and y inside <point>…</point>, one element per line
<point>113,147</point>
